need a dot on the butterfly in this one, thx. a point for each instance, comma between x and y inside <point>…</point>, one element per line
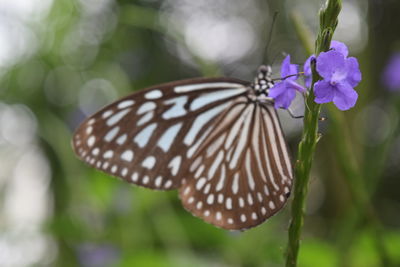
<point>217,140</point>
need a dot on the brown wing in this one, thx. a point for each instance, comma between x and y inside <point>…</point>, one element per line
<point>148,138</point>
<point>242,173</point>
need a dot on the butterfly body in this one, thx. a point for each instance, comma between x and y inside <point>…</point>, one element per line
<point>217,140</point>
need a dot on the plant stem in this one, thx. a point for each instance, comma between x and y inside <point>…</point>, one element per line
<point>328,22</point>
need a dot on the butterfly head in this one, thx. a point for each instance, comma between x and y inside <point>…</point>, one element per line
<point>263,81</point>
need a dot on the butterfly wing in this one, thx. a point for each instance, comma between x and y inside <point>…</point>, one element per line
<point>148,138</point>
<point>241,174</point>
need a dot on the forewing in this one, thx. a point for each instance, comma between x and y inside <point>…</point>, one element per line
<point>149,137</point>
<point>242,173</point>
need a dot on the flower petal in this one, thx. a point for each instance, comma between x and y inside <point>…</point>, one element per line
<point>278,89</point>
<point>288,69</point>
<point>330,62</point>
<point>345,96</point>
<point>340,47</point>
<point>324,92</point>
<point>286,99</point>
<point>295,86</point>
<point>307,71</point>
<point>353,71</point>
<point>282,95</point>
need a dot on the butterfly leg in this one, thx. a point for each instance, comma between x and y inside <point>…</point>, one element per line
<point>292,114</point>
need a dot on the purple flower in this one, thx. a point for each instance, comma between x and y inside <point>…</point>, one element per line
<point>307,71</point>
<point>336,46</point>
<point>284,92</point>
<point>340,47</point>
<point>340,75</point>
<point>391,74</point>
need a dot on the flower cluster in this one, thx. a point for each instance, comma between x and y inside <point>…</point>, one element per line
<point>339,73</point>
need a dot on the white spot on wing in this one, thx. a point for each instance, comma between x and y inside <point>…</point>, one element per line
<point>263,211</point>
<point>127,155</point>
<point>146,118</point>
<point>89,130</point>
<point>114,169</point>
<point>194,87</point>
<point>228,203</point>
<point>122,139</point>
<point>250,199</point>
<point>125,104</point>
<point>111,134</point>
<point>241,202</point>
<point>168,184</point>
<point>146,179</point>
<point>158,181</point>
<point>117,117</point>
<point>220,198</point>
<point>95,151</point>
<point>168,137</point>
<point>199,171</point>
<point>135,177</point>
<point>174,164</point>
<point>200,183</point>
<point>208,98</point>
<point>154,94</point>
<point>108,154</point>
<point>144,136</point>
<point>249,173</point>
<point>235,183</point>
<point>221,181</point>
<point>195,164</point>
<point>91,140</point>
<point>207,189</point>
<point>148,106</point>
<point>271,205</point>
<point>215,164</point>
<point>177,110</point>
<point>149,162</point>
<point>107,114</point>
<point>210,199</point>
<point>186,191</point>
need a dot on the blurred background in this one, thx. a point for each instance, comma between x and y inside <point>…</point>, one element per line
<point>62,60</point>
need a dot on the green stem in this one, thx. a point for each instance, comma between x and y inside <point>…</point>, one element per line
<point>328,23</point>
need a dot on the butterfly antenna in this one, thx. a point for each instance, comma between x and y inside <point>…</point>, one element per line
<point>270,37</point>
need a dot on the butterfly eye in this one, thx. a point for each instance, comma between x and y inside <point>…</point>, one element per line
<point>209,138</point>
